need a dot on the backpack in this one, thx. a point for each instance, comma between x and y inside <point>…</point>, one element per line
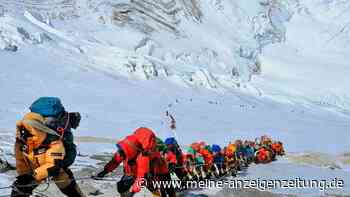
<point>47,106</point>
<point>170,141</point>
<point>161,145</point>
<point>174,147</point>
<point>57,119</point>
<point>191,151</point>
<point>215,148</point>
<point>199,160</point>
<point>248,151</point>
<point>208,148</point>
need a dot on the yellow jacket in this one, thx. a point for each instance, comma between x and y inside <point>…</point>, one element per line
<point>32,154</point>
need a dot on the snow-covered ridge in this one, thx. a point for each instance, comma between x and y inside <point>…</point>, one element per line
<point>216,42</point>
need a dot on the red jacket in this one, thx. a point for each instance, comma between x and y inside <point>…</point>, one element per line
<point>171,157</point>
<point>208,158</point>
<point>142,140</point>
<point>263,155</point>
<point>277,147</point>
<point>139,149</point>
<point>159,165</point>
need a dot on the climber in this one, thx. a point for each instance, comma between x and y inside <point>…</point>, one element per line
<point>175,158</point>
<point>189,164</point>
<point>205,152</point>
<point>195,163</point>
<point>231,161</point>
<point>159,171</point>
<point>240,154</point>
<point>265,140</point>
<point>40,154</point>
<point>137,152</point>
<point>61,121</point>
<point>277,148</point>
<point>249,151</point>
<point>263,155</point>
<point>219,159</point>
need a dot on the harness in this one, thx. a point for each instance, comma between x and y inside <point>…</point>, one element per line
<point>61,130</point>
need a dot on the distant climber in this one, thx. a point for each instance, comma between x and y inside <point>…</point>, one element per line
<point>172,120</point>
<point>219,160</point>
<point>277,147</point>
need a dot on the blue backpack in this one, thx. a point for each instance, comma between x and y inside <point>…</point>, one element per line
<point>170,141</point>
<point>47,106</point>
<point>215,148</point>
<point>249,152</point>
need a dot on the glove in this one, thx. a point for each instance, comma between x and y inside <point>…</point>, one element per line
<point>136,187</point>
<point>26,178</point>
<point>25,183</point>
<point>125,184</point>
<point>99,175</point>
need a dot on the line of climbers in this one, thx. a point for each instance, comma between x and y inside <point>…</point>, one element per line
<point>45,149</point>
<point>147,158</point>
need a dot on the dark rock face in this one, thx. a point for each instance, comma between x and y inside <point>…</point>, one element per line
<point>5,166</point>
<point>12,48</point>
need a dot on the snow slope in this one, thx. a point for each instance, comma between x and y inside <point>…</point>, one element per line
<point>311,66</point>
<point>114,106</point>
<point>218,45</point>
<point>89,62</point>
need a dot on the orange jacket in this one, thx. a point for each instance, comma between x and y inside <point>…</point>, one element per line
<point>230,150</point>
<point>277,147</point>
<point>31,155</point>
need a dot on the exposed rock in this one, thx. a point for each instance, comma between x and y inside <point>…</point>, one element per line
<point>5,166</point>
